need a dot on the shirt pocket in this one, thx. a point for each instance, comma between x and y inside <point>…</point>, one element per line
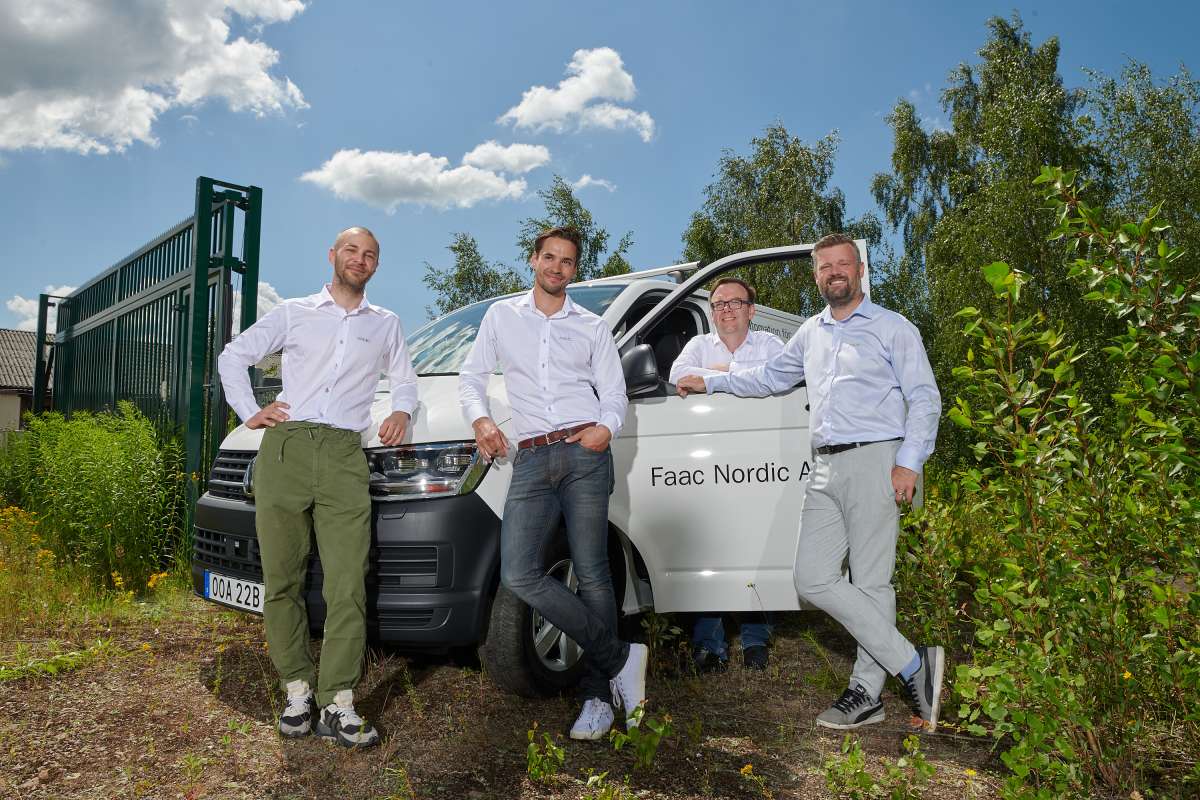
<point>570,351</point>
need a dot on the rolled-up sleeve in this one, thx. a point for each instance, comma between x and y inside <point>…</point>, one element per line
<point>401,375</point>
<point>921,395</point>
<point>608,378</point>
<point>475,371</point>
<point>264,337</point>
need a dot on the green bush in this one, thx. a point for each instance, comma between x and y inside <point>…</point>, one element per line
<point>107,489</point>
<point>1070,546</point>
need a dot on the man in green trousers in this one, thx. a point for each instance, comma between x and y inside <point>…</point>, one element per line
<point>311,475</point>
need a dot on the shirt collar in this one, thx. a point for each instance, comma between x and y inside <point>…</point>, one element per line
<point>324,297</point>
<point>569,306</point>
<point>865,309</point>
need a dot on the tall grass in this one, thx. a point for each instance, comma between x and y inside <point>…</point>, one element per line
<point>107,491</point>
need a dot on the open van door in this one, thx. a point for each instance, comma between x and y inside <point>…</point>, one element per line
<point>709,488</point>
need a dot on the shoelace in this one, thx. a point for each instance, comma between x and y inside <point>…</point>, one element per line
<point>296,705</point>
<point>593,710</point>
<point>348,716</point>
<point>850,699</point>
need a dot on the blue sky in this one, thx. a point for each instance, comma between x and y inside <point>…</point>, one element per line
<point>110,109</point>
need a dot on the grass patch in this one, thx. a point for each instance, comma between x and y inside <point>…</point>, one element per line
<point>23,664</point>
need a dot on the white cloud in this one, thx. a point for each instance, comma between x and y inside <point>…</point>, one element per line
<point>387,179</point>
<point>268,298</point>
<point>587,180</point>
<point>593,75</point>
<point>94,76</point>
<point>515,158</point>
<point>27,310</point>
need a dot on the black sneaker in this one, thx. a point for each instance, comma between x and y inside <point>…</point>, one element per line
<point>296,720</point>
<point>755,657</point>
<point>340,723</point>
<point>706,661</point>
<point>852,710</point>
<point>923,690</point>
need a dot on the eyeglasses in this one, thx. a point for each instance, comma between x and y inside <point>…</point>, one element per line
<point>732,305</point>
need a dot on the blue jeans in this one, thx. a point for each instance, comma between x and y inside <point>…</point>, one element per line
<point>565,482</point>
<point>709,634</point>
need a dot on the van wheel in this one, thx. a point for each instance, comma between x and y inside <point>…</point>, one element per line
<point>526,654</point>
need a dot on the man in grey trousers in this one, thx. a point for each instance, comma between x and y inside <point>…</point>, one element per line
<point>875,409</point>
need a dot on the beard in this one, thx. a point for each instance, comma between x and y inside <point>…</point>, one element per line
<point>838,294</point>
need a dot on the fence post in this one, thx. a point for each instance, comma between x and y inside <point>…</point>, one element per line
<point>198,337</point>
<point>39,362</point>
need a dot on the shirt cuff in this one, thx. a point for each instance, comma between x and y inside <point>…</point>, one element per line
<point>716,383</point>
<point>407,405</point>
<point>474,411</point>
<point>909,458</point>
<point>612,422</point>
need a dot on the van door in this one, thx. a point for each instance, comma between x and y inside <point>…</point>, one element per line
<point>709,488</point>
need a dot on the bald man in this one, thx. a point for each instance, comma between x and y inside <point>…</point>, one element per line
<point>311,476</point>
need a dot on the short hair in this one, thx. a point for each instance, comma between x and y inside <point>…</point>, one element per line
<point>833,240</point>
<point>750,293</point>
<point>568,232</point>
<point>355,229</point>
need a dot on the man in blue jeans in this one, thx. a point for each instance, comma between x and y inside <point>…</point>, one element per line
<point>730,346</point>
<point>567,392</point>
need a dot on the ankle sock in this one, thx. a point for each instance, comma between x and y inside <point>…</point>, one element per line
<point>912,667</point>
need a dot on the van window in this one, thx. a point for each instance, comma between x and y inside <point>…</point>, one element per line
<point>440,347</point>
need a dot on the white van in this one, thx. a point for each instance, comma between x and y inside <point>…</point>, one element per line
<point>704,516</point>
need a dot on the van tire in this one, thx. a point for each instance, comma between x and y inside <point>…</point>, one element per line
<point>508,654</point>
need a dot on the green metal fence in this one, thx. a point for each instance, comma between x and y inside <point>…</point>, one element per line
<point>149,329</point>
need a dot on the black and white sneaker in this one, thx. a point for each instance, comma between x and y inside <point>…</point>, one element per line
<point>297,718</point>
<point>340,723</point>
<point>923,690</point>
<point>852,710</point>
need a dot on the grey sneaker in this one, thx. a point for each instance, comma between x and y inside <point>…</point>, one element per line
<point>296,720</point>
<point>629,687</point>
<point>923,690</point>
<point>594,721</point>
<point>340,723</point>
<point>852,710</point>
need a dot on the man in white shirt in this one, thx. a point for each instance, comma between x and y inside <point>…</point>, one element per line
<point>875,409</point>
<point>311,475</point>
<point>731,346</point>
<point>567,392</point>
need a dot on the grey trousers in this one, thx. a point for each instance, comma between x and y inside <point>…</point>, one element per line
<point>850,509</point>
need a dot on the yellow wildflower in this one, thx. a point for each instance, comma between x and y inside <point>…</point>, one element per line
<point>1127,675</point>
<point>118,581</point>
<point>970,773</point>
<point>747,770</point>
<point>146,646</point>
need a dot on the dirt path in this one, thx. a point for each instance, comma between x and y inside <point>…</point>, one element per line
<point>183,707</point>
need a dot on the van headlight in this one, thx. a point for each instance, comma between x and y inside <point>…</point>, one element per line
<point>422,471</point>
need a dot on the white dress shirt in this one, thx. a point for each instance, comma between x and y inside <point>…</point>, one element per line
<point>559,371</point>
<point>332,359</point>
<point>868,380</point>
<point>707,349</point>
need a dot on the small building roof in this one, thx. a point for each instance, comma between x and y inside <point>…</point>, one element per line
<point>17,353</point>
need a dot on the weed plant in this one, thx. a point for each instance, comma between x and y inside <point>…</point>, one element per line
<point>1068,551</point>
<point>107,491</point>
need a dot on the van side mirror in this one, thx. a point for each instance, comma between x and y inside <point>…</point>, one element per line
<point>641,370</point>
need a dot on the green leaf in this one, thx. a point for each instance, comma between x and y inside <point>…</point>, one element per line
<point>997,274</point>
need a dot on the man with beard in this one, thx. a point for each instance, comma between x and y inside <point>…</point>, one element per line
<point>567,393</point>
<point>729,347</point>
<point>875,409</point>
<point>311,476</point>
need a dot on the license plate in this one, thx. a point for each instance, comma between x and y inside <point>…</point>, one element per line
<point>233,591</point>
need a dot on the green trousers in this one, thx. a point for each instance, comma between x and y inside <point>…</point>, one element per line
<point>313,477</point>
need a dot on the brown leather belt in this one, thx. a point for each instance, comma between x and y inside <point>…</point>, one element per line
<point>552,436</point>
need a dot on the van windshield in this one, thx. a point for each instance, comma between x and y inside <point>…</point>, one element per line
<point>442,346</point>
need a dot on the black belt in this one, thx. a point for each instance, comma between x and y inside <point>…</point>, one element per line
<point>830,449</point>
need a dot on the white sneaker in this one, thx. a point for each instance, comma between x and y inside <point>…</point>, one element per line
<point>296,720</point>
<point>340,723</point>
<point>594,720</point>
<point>629,687</point>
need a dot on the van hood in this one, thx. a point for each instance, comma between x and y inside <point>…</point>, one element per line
<point>438,417</point>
